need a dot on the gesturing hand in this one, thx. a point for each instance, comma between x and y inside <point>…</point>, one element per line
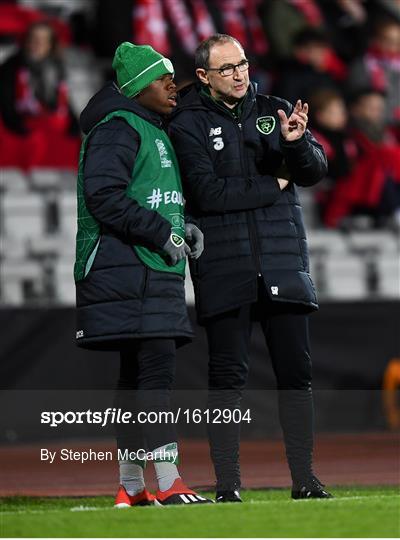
<point>293,128</point>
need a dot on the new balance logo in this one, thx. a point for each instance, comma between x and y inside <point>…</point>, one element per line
<point>168,197</point>
<point>215,131</point>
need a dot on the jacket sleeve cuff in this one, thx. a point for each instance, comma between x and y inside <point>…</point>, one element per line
<point>299,144</point>
<point>276,188</point>
<point>162,236</point>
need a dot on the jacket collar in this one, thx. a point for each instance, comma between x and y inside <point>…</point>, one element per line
<point>190,98</point>
<point>110,99</point>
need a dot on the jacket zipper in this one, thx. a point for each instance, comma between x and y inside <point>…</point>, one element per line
<point>250,217</point>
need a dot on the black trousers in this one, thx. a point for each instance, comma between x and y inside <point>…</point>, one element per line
<point>147,373</point>
<point>285,328</point>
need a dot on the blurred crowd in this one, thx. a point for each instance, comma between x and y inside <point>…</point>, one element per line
<point>341,56</point>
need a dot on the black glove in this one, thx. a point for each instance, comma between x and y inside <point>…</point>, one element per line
<point>176,249</point>
<point>195,239</point>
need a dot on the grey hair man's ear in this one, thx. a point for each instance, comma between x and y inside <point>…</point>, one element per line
<point>202,74</point>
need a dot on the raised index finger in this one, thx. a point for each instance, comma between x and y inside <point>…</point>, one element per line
<point>282,116</point>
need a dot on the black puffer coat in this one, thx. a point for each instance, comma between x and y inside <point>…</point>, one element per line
<point>121,298</point>
<point>229,169</point>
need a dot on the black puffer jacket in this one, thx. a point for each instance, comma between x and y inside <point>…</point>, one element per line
<point>121,298</point>
<point>229,170</point>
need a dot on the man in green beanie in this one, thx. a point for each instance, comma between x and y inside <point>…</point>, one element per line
<point>132,243</point>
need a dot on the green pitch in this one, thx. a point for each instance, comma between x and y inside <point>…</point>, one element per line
<point>354,512</point>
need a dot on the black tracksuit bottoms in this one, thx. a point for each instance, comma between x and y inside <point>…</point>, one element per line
<point>285,328</point>
<point>147,373</point>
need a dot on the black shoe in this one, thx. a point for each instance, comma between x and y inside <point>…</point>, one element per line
<point>228,496</point>
<point>312,489</point>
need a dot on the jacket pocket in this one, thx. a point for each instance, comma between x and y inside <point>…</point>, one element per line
<point>295,228</point>
<point>146,277</point>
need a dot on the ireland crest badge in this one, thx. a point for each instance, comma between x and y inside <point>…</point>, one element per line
<point>265,124</point>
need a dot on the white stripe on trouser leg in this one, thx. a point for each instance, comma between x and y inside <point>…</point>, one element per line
<point>184,499</point>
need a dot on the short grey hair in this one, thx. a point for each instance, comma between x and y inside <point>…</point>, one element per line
<point>202,54</point>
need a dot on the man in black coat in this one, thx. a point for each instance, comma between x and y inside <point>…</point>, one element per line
<point>241,156</point>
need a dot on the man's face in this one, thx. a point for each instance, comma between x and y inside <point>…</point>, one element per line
<point>370,108</point>
<point>39,43</point>
<point>159,96</point>
<point>333,116</point>
<point>231,88</point>
<point>313,54</point>
<point>388,40</point>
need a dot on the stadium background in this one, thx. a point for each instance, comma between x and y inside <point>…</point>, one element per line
<point>355,335</point>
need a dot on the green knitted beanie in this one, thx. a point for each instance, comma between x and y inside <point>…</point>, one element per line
<point>137,66</point>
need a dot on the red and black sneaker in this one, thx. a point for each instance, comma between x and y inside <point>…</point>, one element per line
<point>179,493</point>
<point>144,498</point>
